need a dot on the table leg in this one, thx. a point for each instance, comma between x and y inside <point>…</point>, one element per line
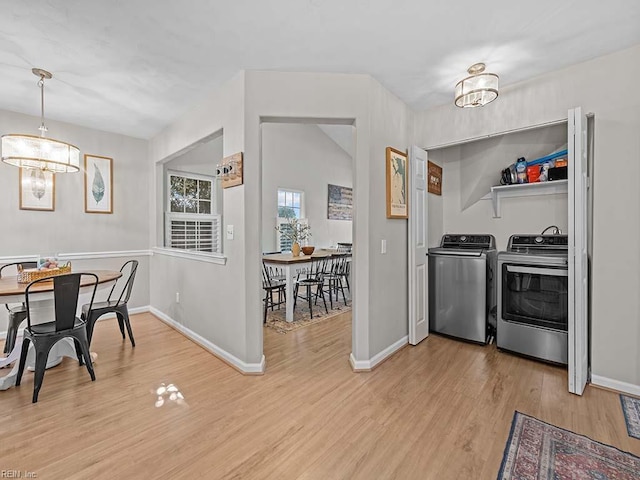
<point>288,271</point>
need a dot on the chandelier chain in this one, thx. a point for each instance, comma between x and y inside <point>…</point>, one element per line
<point>43,127</point>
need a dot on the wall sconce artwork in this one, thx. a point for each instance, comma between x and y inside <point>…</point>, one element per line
<point>230,171</point>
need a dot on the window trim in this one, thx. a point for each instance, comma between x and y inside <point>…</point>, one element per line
<point>213,217</point>
<point>293,190</point>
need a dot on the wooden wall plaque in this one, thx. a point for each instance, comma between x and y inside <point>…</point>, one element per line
<point>434,183</point>
<point>233,166</point>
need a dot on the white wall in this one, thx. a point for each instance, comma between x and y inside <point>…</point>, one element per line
<point>212,296</point>
<point>388,303</point>
<point>600,86</point>
<point>471,169</point>
<point>381,120</point>
<point>202,159</point>
<point>302,157</point>
<point>69,229</point>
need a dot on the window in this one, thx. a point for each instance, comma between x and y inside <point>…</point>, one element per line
<point>191,223</point>
<point>290,203</point>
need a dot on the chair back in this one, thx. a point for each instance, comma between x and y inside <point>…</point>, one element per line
<point>339,263</point>
<point>266,280</point>
<point>318,268</point>
<point>66,289</point>
<point>18,266</point>
<point>127,286</point>
<point>344,247</point>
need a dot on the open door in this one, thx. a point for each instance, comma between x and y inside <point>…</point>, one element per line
<point>578,259</point>
<point>418,271</point>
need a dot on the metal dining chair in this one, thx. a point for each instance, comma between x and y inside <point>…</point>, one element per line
<point>43,336</point>
<point>92,312</point>
<point>272,286</point>
<point>314,277</point>
<point>16,314</point>
<point>332,278</point>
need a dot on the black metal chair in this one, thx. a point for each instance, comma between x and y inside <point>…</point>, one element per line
<point>336,268</point>
<point>346,248</point>
<point>275,273</point>
<point>16,314</point>
<point>272,286</point>
<point>314,277</point>
<point>66,289</point>
<point>91,313</point>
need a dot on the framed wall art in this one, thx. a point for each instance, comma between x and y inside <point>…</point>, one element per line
<point>434,185</point>
<point>397,184</point>
<point>98,184</point>
<point>37,189</point>
<point>340,203</point>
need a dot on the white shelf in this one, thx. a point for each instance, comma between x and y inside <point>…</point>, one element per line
<point>524,190</point>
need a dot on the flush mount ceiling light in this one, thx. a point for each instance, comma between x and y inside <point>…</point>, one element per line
<point>31,151</point>
<point>478,89</point>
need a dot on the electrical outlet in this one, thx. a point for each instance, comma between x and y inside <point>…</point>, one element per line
<point>383,247</point>
<point>177,297</point>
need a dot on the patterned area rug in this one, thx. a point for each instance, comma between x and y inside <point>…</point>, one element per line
<point>537,450</point>
<point>301,318</point>
<point>631,409</point>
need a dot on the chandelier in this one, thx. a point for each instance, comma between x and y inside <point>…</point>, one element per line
<point>40,152</point>
<point>478,89</point>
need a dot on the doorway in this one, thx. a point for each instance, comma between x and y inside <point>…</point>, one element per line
<point>307,179</point>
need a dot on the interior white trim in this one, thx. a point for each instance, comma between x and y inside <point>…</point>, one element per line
<point>197,256</point>
<point>497,134</point>
<point>623,387</point>
<point>367,365</point>
<point>244,367</point>
<point>81,255</point>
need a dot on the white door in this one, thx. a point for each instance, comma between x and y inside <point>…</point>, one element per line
<point>578,260</point>
<point>418,271</point>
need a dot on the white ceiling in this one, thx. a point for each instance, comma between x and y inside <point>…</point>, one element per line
<point>133,66</point>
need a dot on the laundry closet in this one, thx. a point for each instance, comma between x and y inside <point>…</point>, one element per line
<point>540,231</point>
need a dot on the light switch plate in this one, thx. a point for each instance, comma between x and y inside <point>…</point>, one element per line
<point>229,232</point>
<point>383,246</point>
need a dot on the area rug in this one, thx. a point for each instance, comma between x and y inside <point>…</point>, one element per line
<point>301,318</point>
<point>537,450</point>
<point>631,410</point>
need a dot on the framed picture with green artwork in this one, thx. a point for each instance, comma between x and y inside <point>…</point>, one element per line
<point>98,184</point>
<point>397,184</point>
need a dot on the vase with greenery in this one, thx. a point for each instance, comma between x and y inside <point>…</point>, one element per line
<point>295,232</point>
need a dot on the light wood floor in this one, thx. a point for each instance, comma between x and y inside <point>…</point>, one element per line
<point>441,410</point>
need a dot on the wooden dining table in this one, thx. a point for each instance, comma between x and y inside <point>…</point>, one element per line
<point>291,266</point>
<point>13,292</point>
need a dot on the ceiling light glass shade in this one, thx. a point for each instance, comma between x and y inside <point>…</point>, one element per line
<point>478,89</point>
<point>29,151</point>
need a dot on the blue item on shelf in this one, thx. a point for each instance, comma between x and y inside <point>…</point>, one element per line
<point>521,170</point>
<point>561,153</point>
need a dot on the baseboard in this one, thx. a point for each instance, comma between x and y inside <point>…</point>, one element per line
<point>132,311</point>
<point>368,365</point>
<point>617,385</point>
<point>230,359</point>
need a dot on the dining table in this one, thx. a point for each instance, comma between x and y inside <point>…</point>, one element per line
<point>11,291</point>
<point>291,265</point>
